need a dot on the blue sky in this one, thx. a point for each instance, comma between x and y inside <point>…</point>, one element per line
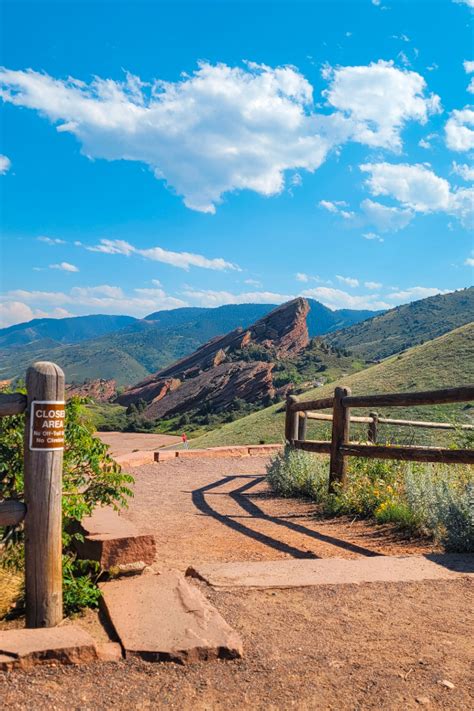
<point>158,154</point>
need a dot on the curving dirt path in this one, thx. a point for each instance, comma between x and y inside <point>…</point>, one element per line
<point>209,510</point>
<point>374,647</point>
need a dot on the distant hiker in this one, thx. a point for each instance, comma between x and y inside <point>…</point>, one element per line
<point>185,441</point>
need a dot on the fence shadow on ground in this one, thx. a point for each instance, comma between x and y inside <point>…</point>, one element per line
<point>242,498</point>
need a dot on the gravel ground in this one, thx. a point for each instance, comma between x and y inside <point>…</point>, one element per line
<point>349,647</point>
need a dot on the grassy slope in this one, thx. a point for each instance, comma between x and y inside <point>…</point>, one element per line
<point>407,326</point>
<point>444,362</point>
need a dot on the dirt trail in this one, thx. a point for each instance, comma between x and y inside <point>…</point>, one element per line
<point>371,647</point>
<point>210,510</point>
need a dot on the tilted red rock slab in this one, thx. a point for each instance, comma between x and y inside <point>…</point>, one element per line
<point>166,618</point>
<point>24,648</point>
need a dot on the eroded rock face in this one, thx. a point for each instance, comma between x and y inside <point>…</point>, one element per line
<point>99,390</point>
<point>237,365</point>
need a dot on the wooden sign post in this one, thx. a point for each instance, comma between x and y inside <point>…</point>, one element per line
<point>44,443</point>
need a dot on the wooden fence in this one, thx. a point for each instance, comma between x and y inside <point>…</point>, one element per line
<point>340,447</point>
<point>43,406</point>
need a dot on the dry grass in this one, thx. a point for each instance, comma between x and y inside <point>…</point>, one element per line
<point>11,585</point>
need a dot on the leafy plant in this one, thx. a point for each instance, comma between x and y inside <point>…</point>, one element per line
<point>297,473</point>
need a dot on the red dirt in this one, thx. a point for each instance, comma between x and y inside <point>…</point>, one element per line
<point>346,647</point>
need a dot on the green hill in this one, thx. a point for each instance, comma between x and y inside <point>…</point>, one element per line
<point>444,362</point>
<point>406,326</point>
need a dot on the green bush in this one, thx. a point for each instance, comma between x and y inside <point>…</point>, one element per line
<point>297,473</point>
<point>429,500</point>
<point>91,478</point>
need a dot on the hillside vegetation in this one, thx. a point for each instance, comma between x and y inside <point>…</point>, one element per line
<point>406,326</point>
<point>127,349</point>
<point>444,362</point>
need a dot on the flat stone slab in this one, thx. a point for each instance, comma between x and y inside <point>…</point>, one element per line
<point>333,571</point>
<point>112,540</point>
<point>165,618</point>
<point>24,648</point>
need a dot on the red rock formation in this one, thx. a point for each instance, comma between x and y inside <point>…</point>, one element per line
<point>99,390</point>
<point>218,373</point>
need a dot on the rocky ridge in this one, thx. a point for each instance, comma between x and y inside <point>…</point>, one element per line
<point>238,365</point>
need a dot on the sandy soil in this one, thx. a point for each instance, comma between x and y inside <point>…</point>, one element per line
<point>209,510</point>
<point>373,646</point>
<point>126,442</point>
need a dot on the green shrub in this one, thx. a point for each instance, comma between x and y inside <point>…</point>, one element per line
<point>297,473</point>
<point>91,478</point>
<point>442,501</point>
<point>431,500</point>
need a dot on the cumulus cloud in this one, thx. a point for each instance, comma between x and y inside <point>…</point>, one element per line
<point>379,99</point>
<point>182,260</point>
<point>223,128</point>
<point>469,262</point>
<point>373,284</point>
<point>52,241</point>
<point>5,164</point>
<point>65,267</point>
<point>384,218</point>
<point>372,236</point>
<point>466,172</point>
<point>469,3</point>
<point>209,297</point>
<point>419,189</point>
<point>301,276</point>
<point>459,134</point>
<point>103,298</point>
<point>338,299</point>
<point>414,293</point>
<point>12,312</point>
<point>350,281</point>
<point>415,186</point>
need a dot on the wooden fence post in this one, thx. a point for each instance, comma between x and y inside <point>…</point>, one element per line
<point>291,420</point>
<point>44,441</point>
<point>373,427</point>
<point>340,436</point>
<point>302,426</point>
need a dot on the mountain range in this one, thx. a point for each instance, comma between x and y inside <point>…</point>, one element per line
<point>127,349</point>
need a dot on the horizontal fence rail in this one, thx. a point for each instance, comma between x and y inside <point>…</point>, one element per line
<point>12,404</point>
<point>12,512</point>
<point>298,413</point>
<point>429,397</point>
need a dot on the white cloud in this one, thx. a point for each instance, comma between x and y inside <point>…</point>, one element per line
<point>253,282</point>
<point>350,281</point>
<point>414,293</point>
<point>182,260</point>
<point>469,262</point>
<point>64,266</point>
<point>469,3</point>
<point>5,164</point>
<point>208,297</point>
<point>300,276</point>
<point>372,236</point>
<point>373,284</point>
<point>384,218</point>
<point>222,128</point>
<point>417,188</point>
<point>103,298</point>
<point>459,135</point>
<point>12,312</point>
<point>379,99</point>
<point>51,240</point>
<point>337,299</point>
<point>332,205</point>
